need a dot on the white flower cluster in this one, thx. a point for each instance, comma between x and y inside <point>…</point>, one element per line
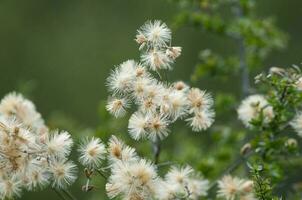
<point>253,107</point>
<point>30,156</point>
<point>159,103</point>
<point>231,188</point>
<point>133,177</point>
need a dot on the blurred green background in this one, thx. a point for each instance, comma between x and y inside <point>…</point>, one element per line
<point>60,52</point>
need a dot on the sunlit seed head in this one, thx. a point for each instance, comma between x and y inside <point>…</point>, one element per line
<point>59,144</point>
<point>92,152</point>
<point>63,173</point>
<point>117,106</point>
<point>157,33</point>
<point>252,107</point>
<point>173,52</point>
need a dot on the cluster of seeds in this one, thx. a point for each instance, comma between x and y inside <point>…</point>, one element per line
<point>31,157</point>
<point>158,102</point>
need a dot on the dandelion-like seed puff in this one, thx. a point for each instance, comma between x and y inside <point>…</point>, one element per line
<point>158,103</point>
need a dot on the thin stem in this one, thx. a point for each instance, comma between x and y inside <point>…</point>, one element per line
<point>165,163</point>
<point>102,174</point>
<point>69,194</point>
<point>156,150</point>
<point>59,194</point>
<point>244,70</point>
<point>245,81</point>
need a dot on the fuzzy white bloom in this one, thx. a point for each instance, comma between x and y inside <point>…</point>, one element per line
<point>174,104</point>
<point>296,123</point>
<point>141,39</point>
<point>138,125</point>
<point>10,188</point>
<point>118,151</point>
<point>253,107</point>
<point>59,144</point>
<point>14,105</point>
<point>182,183</point>
<point>231,188</point>
<point>120,79</point>
<point>36,177</point>
<point>63,172</point>
<point>28,152</point>
<point>117,106</point>
<point>180,86</point>
<point>198,187</point>
<point>157,102</point>
<point>173,52</point>
<point>201,120</point>
<point>156,60</point>
<point>179,175</point>
<point>92,152</point>
<point>132,180</point>
<point>158,126</point>
<point>141,87</point>
<point>156,33</point>
<point>199,100</point>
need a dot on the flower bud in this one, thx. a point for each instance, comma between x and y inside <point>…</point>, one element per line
<point>246,149</point>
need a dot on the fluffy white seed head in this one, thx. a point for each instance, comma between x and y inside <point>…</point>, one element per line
<point>14,105</point>
<point>233,187</point>
<point>156,33</point>
<point>199,100</point>
<point>118,151</point>
<point>138,125</point>
<point>173,52</point>
<point>120,79</point>
<point>59,144</point>
<point>158,126</point>
<point>63,173</point>
<point>117,106</point>
<point>174,104</point>
<point>132,180</point>
<point>254,106</point>
<point>92,152</point>
<point>156,60</point>
<point>201,120</point>
<point>182,182</point>
<point>10,188</point>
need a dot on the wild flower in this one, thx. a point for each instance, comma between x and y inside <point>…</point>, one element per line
<point>254,107</point>
<point>182,183</point>
<point>31,157</point>
<point>132,180</point>
<point>158,103</point>
<point>133,177</point>
<point>231,188</point>
<point>155,33</point>
<point>92,152</point>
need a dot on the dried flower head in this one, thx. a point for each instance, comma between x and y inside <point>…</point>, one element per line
<point>92,152</point>
<point>253,107</point>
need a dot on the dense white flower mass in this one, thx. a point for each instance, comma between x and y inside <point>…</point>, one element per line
<point>133,177</point>
<point>231,188</point>
<point>253,107</point>
<point>182,183</point>
<point>30,156</point>
<point>158,103</point>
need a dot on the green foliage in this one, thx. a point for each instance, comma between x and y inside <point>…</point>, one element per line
<point>236,20</point>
